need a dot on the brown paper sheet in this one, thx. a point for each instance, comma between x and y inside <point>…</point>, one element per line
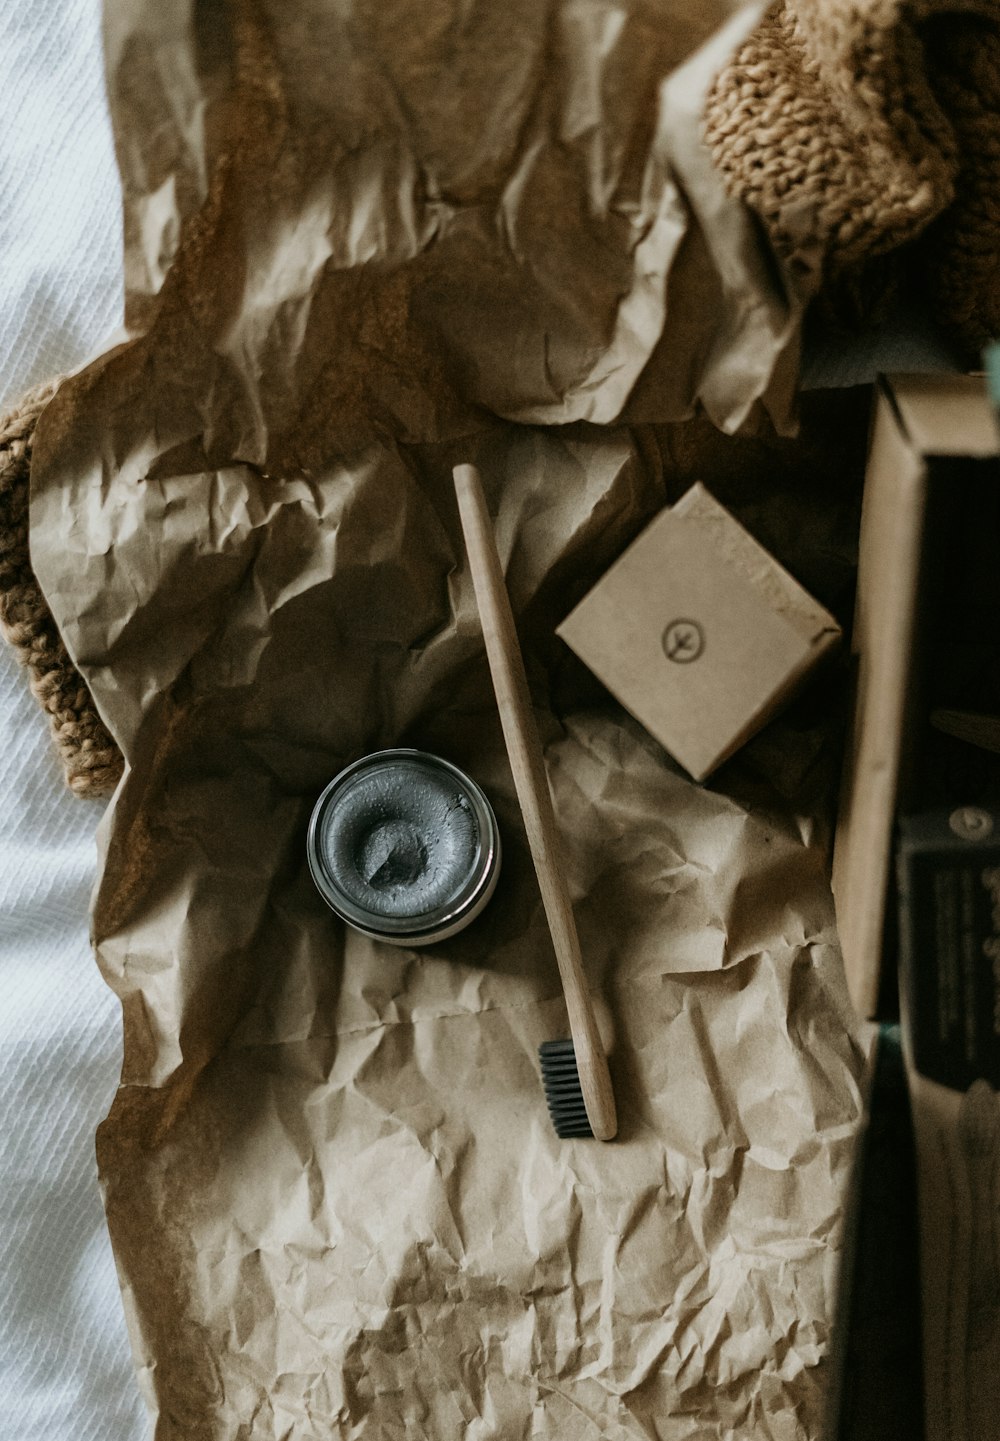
<point>392,214</point>
<point>336,1200</point>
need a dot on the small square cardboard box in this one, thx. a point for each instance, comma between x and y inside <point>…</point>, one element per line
<point>699,632</point>
<point>933,450</point>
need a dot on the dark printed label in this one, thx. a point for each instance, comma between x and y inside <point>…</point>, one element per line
<point>949,887</point>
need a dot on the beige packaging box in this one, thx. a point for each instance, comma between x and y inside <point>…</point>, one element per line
<point>921,423</point>
<point>699,632</point>
<point>922,427</point>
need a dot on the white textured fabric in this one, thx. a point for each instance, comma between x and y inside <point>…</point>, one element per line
<point>65,1371</point>
<point>60,206</point>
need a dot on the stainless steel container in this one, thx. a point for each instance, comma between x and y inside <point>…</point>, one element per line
<point>404,847</point>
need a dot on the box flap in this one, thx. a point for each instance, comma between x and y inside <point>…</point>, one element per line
<point>945,414</point>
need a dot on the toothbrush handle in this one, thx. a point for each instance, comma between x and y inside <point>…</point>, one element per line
<point>527,764</point>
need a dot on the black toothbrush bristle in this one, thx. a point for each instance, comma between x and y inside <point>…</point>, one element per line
<point>563,1092</point>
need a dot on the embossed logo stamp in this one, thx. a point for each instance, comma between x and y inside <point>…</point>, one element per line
<point>683,641</point>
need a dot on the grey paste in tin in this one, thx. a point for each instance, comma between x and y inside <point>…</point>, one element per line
<point>404,846</point>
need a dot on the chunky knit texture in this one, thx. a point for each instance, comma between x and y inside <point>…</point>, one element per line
<point>856,127</point>
<point>91,760</point>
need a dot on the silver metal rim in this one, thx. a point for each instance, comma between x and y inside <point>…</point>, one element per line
<point>415,929</point>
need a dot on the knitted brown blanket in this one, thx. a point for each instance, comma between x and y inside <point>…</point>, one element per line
<point>865,134</point>
<point>91,761</point>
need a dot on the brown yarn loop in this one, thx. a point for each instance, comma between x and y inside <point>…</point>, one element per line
<point>91,760</point>
<point>866,132</point>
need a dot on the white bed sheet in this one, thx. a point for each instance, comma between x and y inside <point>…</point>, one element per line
<point>65,1371</point>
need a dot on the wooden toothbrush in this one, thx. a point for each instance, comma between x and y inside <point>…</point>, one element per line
<point>575,1072</point>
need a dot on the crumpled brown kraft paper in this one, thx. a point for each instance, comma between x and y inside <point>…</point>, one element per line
<point>392,213</point>
<point>336,1200</point>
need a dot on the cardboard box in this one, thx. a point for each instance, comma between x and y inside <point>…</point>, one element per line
<point>699,632</point>
<point>921,426</point>
<point>915,873</point>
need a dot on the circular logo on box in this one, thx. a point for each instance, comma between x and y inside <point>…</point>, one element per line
<point>971,823</point>
<point>683,641</point>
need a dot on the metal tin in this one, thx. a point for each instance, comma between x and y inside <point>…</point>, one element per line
<point>404,847</point>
